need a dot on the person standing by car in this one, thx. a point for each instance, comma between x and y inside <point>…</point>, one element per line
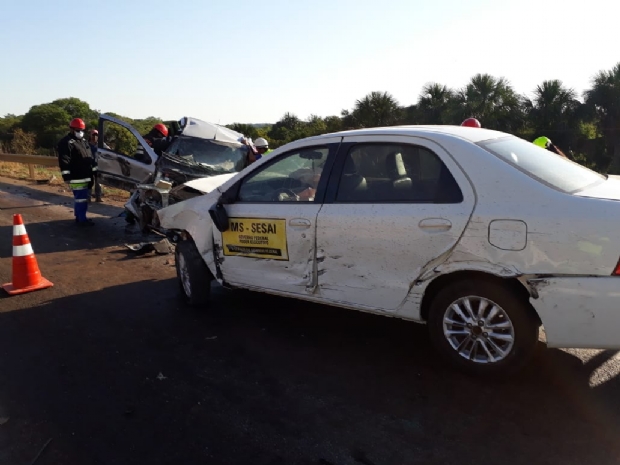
<point>256,149</point>
<point>157,138</point>
<point>262,147</point>
<point>94,137</point>
<point>471,123</point>
<point>545,143</point>
<point>77,167</point>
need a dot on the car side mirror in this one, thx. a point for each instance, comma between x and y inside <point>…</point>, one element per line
<point>219,216</point>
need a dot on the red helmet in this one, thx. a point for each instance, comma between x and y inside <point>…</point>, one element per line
<point>77,123</point>
<point>472,123</point>
<point>161,128</point>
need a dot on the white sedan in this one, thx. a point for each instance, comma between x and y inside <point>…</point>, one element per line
<point>479,234</point>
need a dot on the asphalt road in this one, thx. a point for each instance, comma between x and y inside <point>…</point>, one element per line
<point>108,367</point>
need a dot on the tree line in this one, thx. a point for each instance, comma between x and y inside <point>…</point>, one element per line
<point>587,126</point>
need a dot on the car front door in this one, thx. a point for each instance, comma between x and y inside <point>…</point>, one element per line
<point>124,158</point>
<point>394,204</point>
<point>270,242</point>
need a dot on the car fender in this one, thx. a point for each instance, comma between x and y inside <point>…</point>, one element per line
<point>192,216</point>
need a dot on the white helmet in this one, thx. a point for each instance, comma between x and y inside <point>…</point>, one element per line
<point>261,142</point>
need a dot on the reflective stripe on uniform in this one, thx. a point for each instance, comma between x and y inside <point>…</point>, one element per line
<point>78,187</point>
<point>19,230</point>
<point>94,168</point>
<point>80,200</point>
<point>77,181</point>
<point>22,250</point>
<point>65,172</point>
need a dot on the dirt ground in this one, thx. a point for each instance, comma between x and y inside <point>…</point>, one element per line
<point>109,367</point>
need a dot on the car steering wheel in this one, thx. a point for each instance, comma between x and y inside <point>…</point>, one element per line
<point>283,195</point>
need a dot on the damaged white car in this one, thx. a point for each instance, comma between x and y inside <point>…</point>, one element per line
<point>195,149</point>
<point>479,234</point>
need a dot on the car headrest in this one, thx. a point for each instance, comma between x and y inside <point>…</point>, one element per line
<point>395,165</point>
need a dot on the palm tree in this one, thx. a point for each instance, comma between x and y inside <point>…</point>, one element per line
<point>436,104</point>
<point>604,99</point>
<point>553,112</point>
<point>493,101</point>
<point>377,109</point>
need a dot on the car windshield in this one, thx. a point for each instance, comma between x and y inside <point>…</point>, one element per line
<point>543,165</point>
<point>223,158</point>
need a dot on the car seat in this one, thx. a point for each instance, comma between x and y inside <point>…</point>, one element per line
<point>395,168</point>
<point>352,184</point>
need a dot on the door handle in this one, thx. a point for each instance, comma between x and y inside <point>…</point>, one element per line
<point>432,225</point>
<point>299,223</point>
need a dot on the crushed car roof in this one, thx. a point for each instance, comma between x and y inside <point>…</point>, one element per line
<point>193,127</point>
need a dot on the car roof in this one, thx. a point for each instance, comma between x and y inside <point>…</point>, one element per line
<point>462,132</point>
<point>194,127</point>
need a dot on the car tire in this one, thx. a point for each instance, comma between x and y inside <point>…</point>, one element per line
<point>193,275</point>
<point>502,338</point>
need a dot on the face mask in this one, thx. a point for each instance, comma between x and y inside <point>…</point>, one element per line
<point>79,134</point>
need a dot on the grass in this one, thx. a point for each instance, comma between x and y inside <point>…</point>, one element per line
<point>51,174</point>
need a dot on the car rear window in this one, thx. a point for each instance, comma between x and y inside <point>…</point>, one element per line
<point>543,165</point>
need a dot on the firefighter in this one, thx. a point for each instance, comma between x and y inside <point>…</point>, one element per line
<point>78,168</point>
<point>472,123</point>
<point>157,138</point>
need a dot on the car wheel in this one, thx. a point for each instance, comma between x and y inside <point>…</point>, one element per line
<point>482,327</point>
<point>193,274</point>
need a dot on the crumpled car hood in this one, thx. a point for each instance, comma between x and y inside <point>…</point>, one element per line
<point>207,185</point>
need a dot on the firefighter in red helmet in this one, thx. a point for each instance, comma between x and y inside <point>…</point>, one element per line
<point>472,123</point>
<point>158,140</point>
<point>78,168</point>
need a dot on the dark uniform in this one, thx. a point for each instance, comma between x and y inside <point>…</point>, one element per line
<point>78,168</point>
<point>158,143</point>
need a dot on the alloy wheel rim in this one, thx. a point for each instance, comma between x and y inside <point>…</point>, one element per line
<point>479,330</point>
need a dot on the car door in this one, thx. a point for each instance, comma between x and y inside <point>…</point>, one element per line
<point>394,204</point>
<point>270,242</point>
<point>120,162</point>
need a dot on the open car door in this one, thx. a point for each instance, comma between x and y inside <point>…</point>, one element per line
<point>124,157</point>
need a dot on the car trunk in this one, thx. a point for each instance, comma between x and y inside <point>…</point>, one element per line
<point>608,189</point>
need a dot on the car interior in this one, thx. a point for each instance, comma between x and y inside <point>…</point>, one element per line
<point>392,173</point>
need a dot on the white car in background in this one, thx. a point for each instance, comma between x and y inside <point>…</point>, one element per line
<point>479,234</point>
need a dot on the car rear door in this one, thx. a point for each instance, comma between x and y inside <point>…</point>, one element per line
<point>124,158</point>
<point>394,204</point>
<point>270,243</point>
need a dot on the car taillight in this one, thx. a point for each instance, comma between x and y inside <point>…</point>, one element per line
<point>616,271</point>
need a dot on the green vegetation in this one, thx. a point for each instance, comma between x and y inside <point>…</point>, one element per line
<point>588,128</point>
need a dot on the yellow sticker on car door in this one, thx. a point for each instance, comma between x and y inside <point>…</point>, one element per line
<point>256,238</point>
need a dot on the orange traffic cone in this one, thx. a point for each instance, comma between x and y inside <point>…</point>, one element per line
<point>26,274</point>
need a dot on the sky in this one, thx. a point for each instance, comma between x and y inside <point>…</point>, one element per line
<point>251,62</point>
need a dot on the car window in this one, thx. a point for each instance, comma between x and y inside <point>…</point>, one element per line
<point>542,164</point>
<point>220,157</point>
<point>293,177</point>
<point>121,141</point>
<point>396,173</point>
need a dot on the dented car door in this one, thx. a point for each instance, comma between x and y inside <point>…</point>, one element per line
<point>270,242</point>
<point>394,204</point>
<point>121,163</point>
